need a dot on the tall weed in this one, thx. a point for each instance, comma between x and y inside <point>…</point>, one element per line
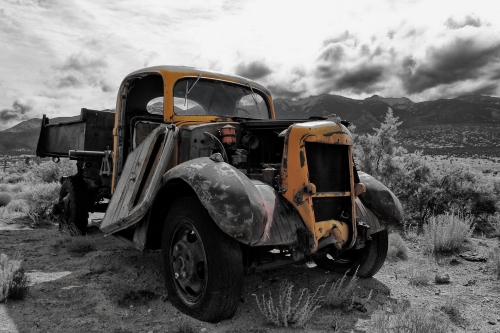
<point>340,292</point>
<point>446,232</point>
<point>283,313</point>
<point>9,271</point>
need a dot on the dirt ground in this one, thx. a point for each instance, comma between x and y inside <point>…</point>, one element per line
<point>115,288</point>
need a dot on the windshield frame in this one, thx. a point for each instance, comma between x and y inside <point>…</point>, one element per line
<point>267,114</point>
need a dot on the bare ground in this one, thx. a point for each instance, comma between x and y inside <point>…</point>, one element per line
<point>115,288</point>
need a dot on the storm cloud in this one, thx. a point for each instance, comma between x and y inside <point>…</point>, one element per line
<point>467,21</point>
<point>459,60</point>
<point>80,70</point>
<point>18,111</point>
<point>254,70</point>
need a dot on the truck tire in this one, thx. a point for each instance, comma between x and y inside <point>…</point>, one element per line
<point>203,266</point>
<point>369,259</point>
<point>74,204</point>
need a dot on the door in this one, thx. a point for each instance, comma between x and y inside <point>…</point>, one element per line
<point>140,179</point>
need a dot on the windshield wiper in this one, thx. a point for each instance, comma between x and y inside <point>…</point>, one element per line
<point>189,90</point>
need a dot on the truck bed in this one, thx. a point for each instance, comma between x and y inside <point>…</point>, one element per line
<point>93,132</point>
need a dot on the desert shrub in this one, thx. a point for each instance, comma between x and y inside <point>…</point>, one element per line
<point>13,178</point>
<point>408,321</point>
<point>446,232</point>
<point>5,198</point>
<point>8,269</point>
<point>16,188</point>
<point>397,247</point>
<point>410,232</point>
<point>19,286</point>
<point>80,245</point>
<point>494,221</point>
<point>424,187</point>
<point>340,292</point>
<point>4,188</point>
<point>40,198</point>
<point>52,172</point>
<point>284,313</point>
<point>17,206</point>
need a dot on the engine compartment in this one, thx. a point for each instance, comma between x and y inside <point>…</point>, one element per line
<point>253,147</point>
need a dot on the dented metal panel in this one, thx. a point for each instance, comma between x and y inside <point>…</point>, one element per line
<point>139,178</point>
<point>248,211</point>
<point>380,200</point>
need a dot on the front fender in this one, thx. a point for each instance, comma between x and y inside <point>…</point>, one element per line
<point>244,209</point>
<point>380,200</point>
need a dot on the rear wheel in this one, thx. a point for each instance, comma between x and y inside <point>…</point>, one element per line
<point>369,259</point>
<point>74,204</point>
<point>202,265</point>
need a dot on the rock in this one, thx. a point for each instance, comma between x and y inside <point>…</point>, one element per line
<point>455,261</point>
<point>472,256</point>
<point>204,329</point>
<point>150,310</point>
<point>442,278</point>
<point>470,283</point>
<point>492,322</point>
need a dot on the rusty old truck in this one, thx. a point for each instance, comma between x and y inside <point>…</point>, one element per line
<point>195,163</point>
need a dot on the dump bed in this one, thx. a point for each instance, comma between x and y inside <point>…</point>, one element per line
<point>93,132</point>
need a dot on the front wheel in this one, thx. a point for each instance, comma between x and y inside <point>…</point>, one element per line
<point>367,260</point>
<point>203,267</point>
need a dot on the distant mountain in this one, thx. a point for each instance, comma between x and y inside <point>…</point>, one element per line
<point>468,123</point>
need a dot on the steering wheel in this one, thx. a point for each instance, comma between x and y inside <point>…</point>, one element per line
<point>242,110</point>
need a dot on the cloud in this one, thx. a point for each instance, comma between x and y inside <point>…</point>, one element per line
<point>467,21</point>
<point>18,111</point>
<point>280,91</point>
<point>487,89</point>
<point>361,79</point>
<point>80,70</point>
<point>459,60</point>
<point>254,70</point>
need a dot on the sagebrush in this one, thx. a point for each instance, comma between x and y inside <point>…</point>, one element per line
<point>282,312</point>
<point>13,281</point>
<point>397,247</point>
<point>340,292</point>
<point>40,198</point>
<point>447,232</point>
<point>5,198</point>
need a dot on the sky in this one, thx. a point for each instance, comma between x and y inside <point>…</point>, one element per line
<point>58,56</point>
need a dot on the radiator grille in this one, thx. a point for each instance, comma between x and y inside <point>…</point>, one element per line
<point>328,166</point>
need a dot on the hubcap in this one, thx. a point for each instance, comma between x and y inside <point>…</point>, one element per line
<point>188,264</point>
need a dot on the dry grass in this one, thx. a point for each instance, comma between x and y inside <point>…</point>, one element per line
<point>411,233</point>
<point>341,291</point>
<point>285,314</point>
<point>408,321</point>
<point>40,198</point>
<point>80,245</point>
<point>444,233</point>
<point>494,221</point>
<point>17,206</point>
<point>420,274</point>
<point>397,247</point>
<point>13,281</point>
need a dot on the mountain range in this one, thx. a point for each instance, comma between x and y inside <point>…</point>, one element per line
<point>467,125</point>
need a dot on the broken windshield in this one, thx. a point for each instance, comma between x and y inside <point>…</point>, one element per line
<point>210,97</point>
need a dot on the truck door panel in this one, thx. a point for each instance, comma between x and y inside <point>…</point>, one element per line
<point>140,179</point>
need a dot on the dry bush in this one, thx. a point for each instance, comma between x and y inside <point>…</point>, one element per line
<point>52,172</point>
<point>340,292</point>
<point>284,313</point>
<point>410,233</point>
<point>10,270</point>
<point>80,245</point>
<point>17,206</point>
<point>13,178</point>
<point>494,221</point>
<point>4,188</point>
<point>16,188</point>
<point>40,198</point>
<point>20,285</point>
<point>397,247</point>
<point>446,232</point>
<point>5,198</point>
<point>408,321</point>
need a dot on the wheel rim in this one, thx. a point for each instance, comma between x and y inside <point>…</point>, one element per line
<point>188,263</point>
